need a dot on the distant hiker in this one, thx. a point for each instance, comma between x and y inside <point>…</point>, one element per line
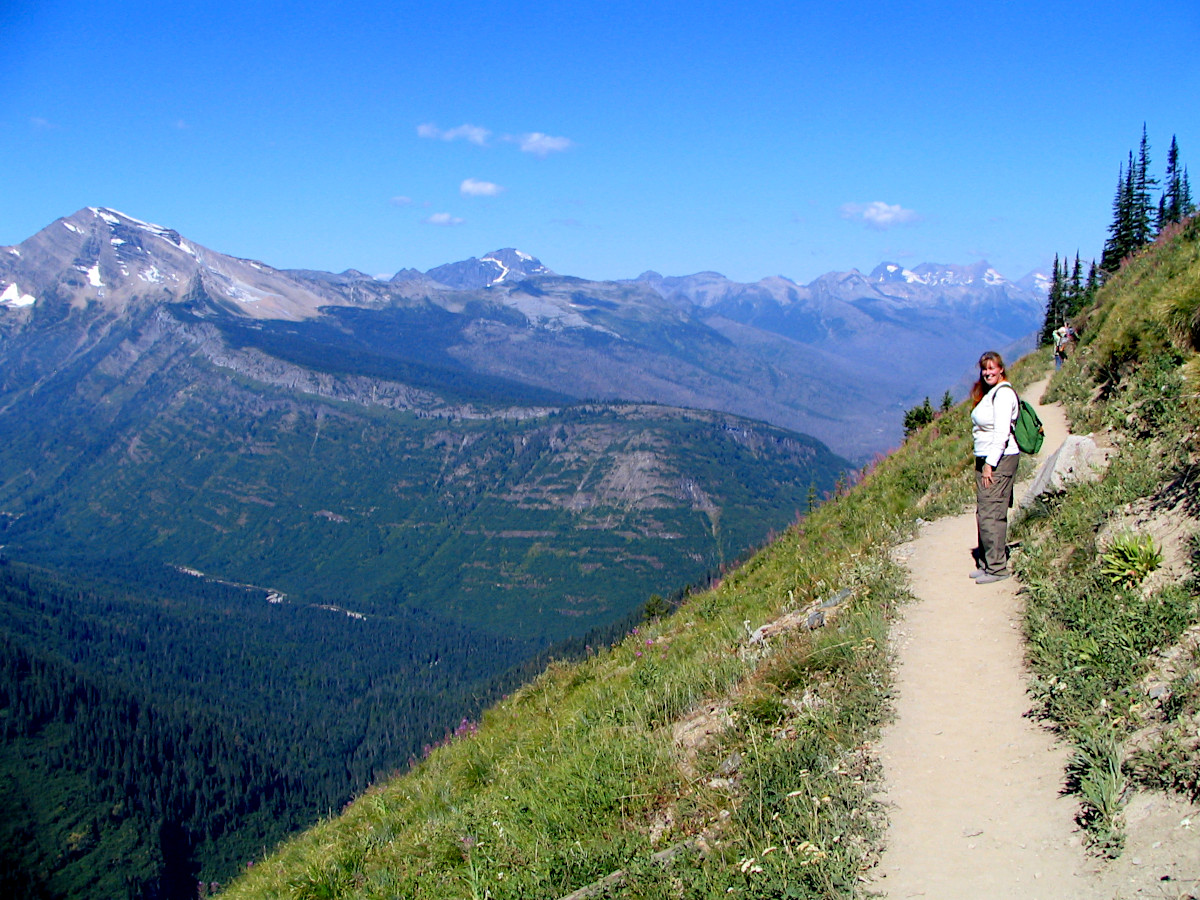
<point>1064,338</point>
<point>996,456</point>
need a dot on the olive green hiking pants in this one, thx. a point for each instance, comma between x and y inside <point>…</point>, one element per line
<point>991,513</point>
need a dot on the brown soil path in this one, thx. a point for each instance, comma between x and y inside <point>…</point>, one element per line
<point>973,786</point>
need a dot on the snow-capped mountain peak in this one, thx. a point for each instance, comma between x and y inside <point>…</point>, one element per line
<point>103,256</point>
<point>938,275</point>
<point>498,267</point>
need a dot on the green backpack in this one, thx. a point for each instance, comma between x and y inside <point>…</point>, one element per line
<point>1028,429</point>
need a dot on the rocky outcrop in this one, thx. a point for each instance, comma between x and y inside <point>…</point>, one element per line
<point>1079,459</point>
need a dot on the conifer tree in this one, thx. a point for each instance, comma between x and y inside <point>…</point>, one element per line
<point>1133,225</point>
<point>1142,225</point>
<point>1076,294</point>
<point>918,417</point>
<point>1120,242</point>
<point>1092,284</point>
<point>1175,204</point>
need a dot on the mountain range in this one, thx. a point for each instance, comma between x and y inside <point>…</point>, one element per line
<point>840,358</point>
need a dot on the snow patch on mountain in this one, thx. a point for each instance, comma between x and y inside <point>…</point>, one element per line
<point>13,296</point>
<point>503,269</point>
<point>117,219</point>
<point>506,266</point>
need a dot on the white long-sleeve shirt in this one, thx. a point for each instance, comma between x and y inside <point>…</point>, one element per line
<point>991,424</point>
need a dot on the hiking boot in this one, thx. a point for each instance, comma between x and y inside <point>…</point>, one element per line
<point>977,573</point>
<point>989,577</point>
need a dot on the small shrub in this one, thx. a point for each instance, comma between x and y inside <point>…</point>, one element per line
<point>918,417</point>
<point>1130,559</point>
<point>764,709</point>
<point>1172,763</point>
<point>1097,775</point>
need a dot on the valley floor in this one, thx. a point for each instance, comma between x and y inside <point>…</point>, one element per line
<point>973,786</point>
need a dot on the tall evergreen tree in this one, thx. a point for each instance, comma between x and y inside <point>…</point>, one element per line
<point>1120,233</point>
<point>1142,224</point>
<point>1093,282</point>
<point>1134,215</point>
<point>1075,298</point>
<point>1175,204</point>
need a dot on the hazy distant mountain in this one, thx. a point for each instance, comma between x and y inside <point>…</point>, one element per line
<point>977,294</point>
<point>889,338</point>
<point>840,358</point>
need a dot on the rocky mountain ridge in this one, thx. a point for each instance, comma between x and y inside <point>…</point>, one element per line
<point>840,358</point>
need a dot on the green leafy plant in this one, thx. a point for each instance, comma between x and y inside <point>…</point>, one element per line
<point>1101,783</point>
<point>1130,559</point>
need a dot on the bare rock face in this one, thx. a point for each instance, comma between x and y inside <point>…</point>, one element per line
<point>103,258</point>
<point>1079,459</point>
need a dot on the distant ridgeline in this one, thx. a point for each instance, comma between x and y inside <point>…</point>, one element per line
<point>251,565</point>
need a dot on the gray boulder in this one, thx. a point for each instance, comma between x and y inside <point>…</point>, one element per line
<point>1078,459</point>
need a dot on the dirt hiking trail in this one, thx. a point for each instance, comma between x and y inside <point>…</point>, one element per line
<point>972,785</point>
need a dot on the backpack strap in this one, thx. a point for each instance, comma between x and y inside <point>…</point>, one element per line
<point>1012,423</point>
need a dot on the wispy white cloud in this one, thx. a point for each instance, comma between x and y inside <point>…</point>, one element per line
<point>542,144</point>
<point>41,124</point>
<point>444,219</point>
<point>472,187</point>
<point>878,215</point>
<point>400,200</point>
<point>535,142</point>
<point>473,133</point>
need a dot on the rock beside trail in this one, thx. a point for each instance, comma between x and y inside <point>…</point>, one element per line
<point>1078,459</point>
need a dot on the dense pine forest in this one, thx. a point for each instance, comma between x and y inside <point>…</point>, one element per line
<point>113,729</point>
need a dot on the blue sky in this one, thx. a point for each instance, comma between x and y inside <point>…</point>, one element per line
<point>607,138</point>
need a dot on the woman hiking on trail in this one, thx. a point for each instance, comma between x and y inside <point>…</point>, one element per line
<point>996,456</point>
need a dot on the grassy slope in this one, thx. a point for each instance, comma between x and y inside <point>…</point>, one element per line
<point>1093,641</point>
<point>590,770</point>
